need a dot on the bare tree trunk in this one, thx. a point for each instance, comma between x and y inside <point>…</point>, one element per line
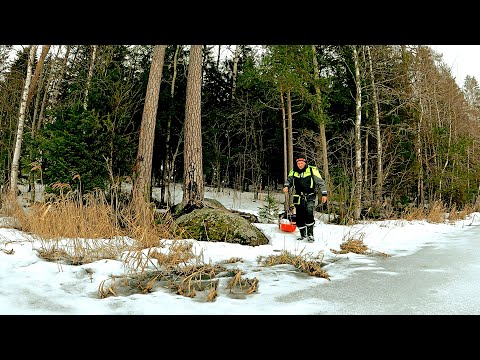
<point>49,84</point>
<point>323,136</point>
<point>21,121</point>
<point>290,138</point>
<point>285,142</point>
<point>193,190</point>
<point>167,172</point>
<point>37,99</point>
<point>358,143</point>
<point>365,157</point>
<point>174,158</point>
<point>235,66</point>
<point>447,156</point>
<point>56,85</point>
<point>39,69</point>
<point>90,74</point>
<point>290,131</point>
<point>226,180</point>
<point>143,163</point>
<point>379,183</point>
<point>420,189</point>
<point>218,56</point>
<point>285,153</point>
<point>36,74</point>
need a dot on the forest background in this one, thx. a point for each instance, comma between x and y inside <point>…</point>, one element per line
<point>387,125</point>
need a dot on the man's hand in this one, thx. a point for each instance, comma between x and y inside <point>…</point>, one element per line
<point>324,199</point>
<point>285,189</point>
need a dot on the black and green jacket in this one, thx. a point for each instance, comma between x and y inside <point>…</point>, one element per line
<point>306,181</point>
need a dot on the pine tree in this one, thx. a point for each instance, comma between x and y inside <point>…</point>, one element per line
<point>268,213</point>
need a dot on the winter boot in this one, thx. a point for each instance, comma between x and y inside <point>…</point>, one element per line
<point>303,233</point>
<point>310,237</point>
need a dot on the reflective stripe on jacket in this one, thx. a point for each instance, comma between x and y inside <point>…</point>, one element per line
<point>305,181</point>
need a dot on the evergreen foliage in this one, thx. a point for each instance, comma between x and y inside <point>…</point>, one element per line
<point>429,127</point>
<point>75,144</point>
<point>269,212</point>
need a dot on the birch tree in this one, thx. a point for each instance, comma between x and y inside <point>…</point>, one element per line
<point>235,71</point>
<point>89,76</point>
<point>379,183</point>
<point>21,122</point>
<point>357,200</point>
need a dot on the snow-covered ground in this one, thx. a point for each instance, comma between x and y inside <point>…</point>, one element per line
<point>31,285</point>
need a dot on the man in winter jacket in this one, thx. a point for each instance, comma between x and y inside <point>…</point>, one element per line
<point>305,180</point>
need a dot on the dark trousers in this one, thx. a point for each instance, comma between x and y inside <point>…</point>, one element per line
<point>304,215</point>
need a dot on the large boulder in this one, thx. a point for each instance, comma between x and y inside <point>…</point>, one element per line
<point>178,210</point>
<point>219,224</point>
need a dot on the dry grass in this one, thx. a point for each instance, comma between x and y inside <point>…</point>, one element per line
<point>68,216</point>
<point>81,229</point>
<point>232,260</point>
<point>9,208</point>
<point>455,214</point>
<point>244,285</point>
<point>174,273</point>
<point>356,246</point>
<point>312,265</point>
<point>437,212</point>
<point>75,229</point>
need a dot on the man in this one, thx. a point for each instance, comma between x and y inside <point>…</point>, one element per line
<point>305,180</point>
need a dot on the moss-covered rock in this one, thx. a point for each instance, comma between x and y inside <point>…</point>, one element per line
<point>212,203</point>
<point>178,209</point>
<point>208,224</point>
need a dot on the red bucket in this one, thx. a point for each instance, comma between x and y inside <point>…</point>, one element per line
<point>288,227</point>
